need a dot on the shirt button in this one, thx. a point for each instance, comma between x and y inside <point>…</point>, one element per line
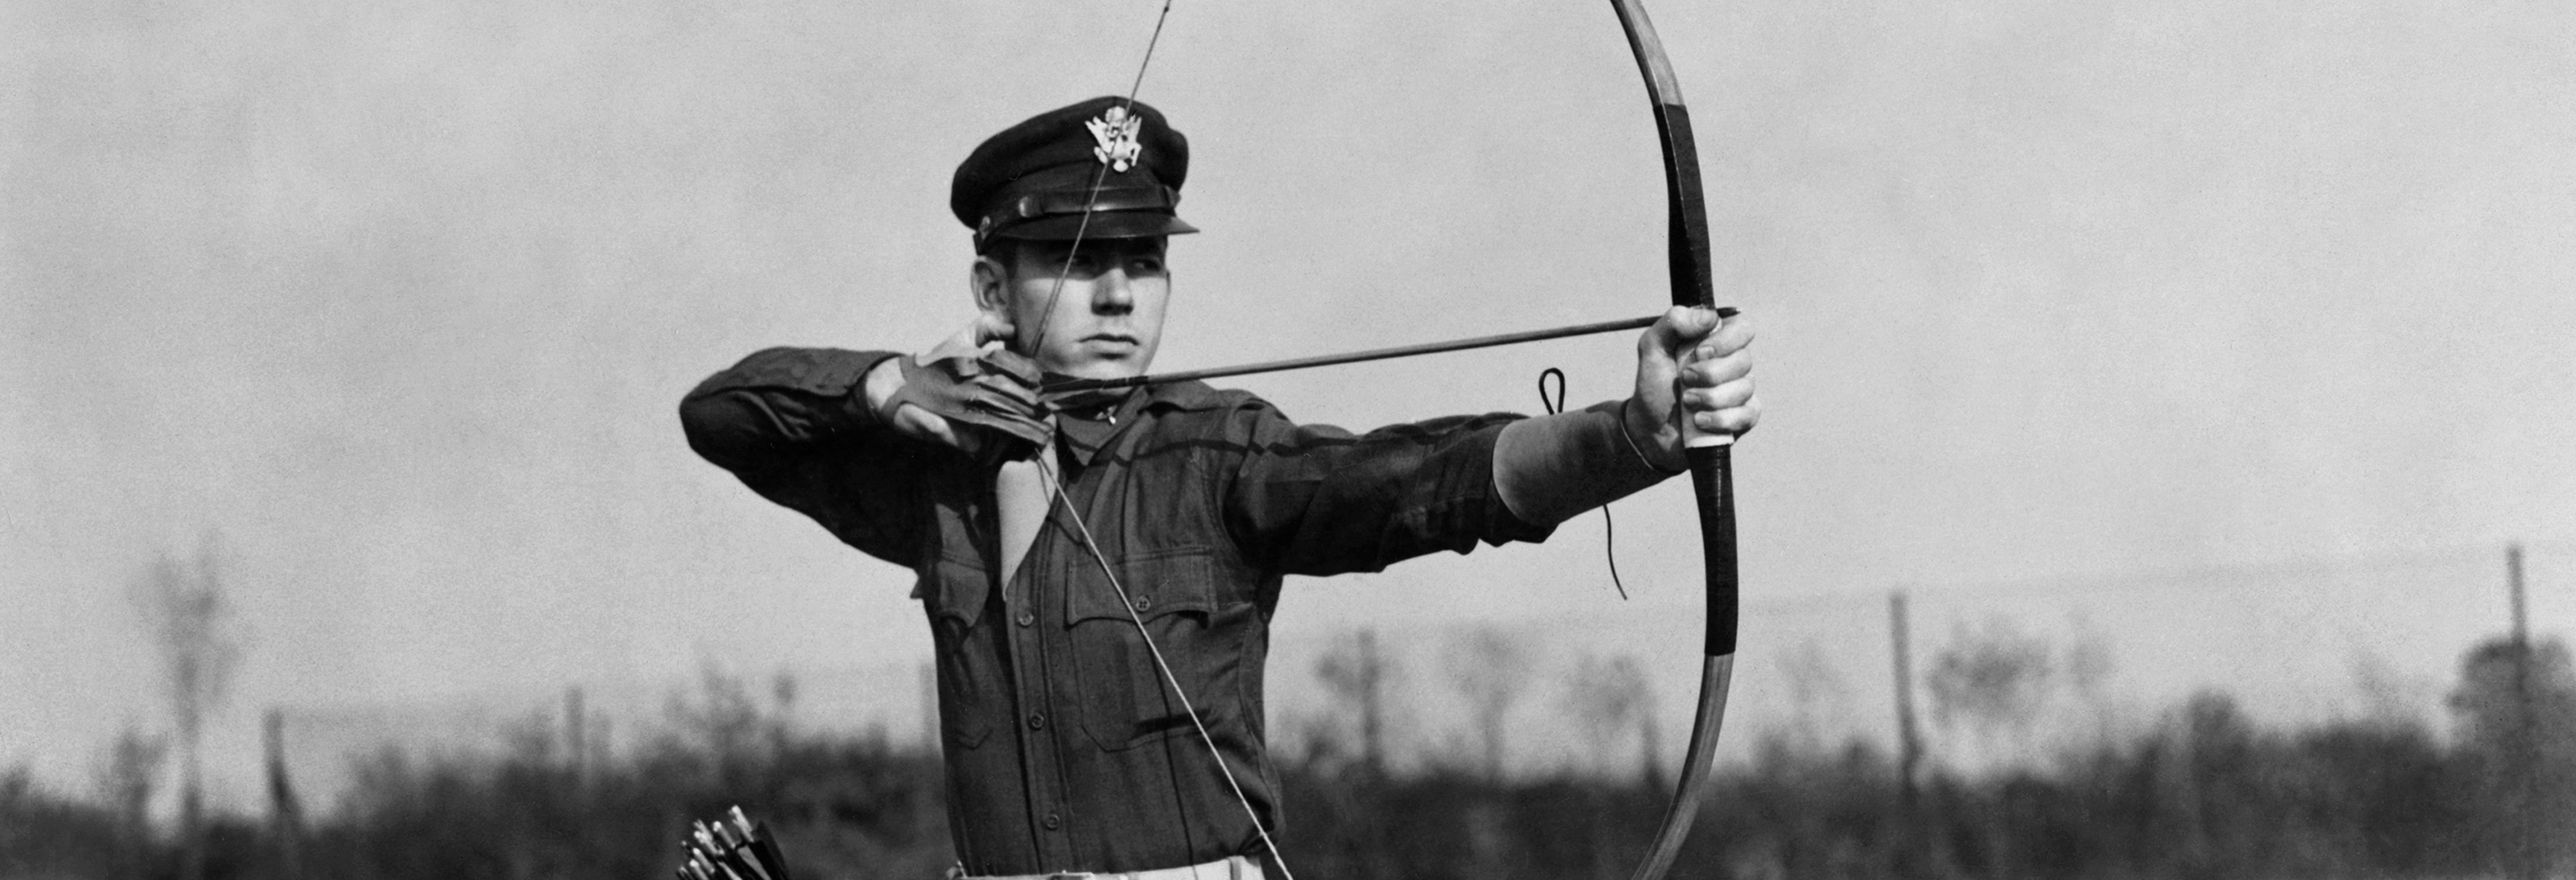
<point>1144,603</point>
<point>1028,617</point>
<point>1052,821</point>
<point>1037,721</point>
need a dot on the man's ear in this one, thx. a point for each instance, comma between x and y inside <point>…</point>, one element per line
<point>990,283</point>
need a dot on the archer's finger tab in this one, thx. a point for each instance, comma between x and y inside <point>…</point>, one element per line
<point>1110,158</point>
<point>1015,365</point>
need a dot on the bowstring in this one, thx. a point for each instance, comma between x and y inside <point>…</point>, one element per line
<point>1092,201</point>
<point>1060,499</point>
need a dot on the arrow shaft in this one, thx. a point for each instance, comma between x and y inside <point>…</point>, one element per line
<point>1356,356</point>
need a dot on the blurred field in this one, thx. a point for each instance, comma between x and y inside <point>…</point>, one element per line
<point>2205,790</point>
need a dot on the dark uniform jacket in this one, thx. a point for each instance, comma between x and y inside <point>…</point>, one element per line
<point>1066,751</point>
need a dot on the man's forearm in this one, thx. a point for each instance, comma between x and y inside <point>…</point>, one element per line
<point>1552,467</point>
<point>778,399</point>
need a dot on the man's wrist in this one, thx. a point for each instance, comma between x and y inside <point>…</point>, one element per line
<point>1627,431</point>
<point>878,386</point>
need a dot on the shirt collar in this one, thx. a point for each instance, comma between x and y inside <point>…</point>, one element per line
<point>1088,427</point>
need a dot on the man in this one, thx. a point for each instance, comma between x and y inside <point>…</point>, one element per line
<point>1100,570</point>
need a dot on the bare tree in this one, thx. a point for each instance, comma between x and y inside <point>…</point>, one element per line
<point>189,615</point>
<point>285,809</point>
<point>1357,675</point>
<point>783,691</point>
<point>2514,714</point>
<point>1816,688</point>
<point>2088,666</point>
<point>1491,670</point>
<point>1993,679</point>
<point>1611,696</point>
<point>2388,696</point>
<point>124,777</point>
<point>722,727</point>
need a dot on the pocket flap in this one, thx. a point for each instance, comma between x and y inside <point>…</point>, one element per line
<point>1158,582</point>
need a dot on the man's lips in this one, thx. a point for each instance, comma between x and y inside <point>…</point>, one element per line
<point>1111,338</point>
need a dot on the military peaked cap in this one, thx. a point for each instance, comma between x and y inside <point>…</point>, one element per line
<point>1034,179</point>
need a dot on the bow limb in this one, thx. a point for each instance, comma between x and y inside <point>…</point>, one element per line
<point>1712,480</point>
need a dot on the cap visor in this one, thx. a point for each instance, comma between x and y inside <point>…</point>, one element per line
<point>1104,224</point>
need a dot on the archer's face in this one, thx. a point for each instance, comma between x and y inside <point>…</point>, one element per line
<point>1105,323</point>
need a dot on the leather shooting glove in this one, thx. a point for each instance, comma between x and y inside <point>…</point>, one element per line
<point>990,388</point>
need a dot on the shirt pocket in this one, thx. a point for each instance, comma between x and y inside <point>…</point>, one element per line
<point>1123,698</point>
<point>970,678</point>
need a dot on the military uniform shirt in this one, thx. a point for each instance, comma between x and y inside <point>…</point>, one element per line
<point>1066,750</point>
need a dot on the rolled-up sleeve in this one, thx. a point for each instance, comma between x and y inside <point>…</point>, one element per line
<point>793,425</point>
<point>1319,500</point>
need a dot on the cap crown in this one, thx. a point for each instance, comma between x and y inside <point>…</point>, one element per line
<point>1044,168</point>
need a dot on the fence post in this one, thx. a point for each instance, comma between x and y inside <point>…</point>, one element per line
<point>2526,741</point>
<point>1908,738</point>
<point>577,739</point>
<point>285,812</point>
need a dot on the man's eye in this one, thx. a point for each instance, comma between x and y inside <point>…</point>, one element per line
<point>1147,266</point>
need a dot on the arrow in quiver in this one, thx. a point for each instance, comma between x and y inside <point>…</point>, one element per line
<point>734,848</point>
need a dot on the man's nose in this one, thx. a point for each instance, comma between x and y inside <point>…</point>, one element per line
<point>1110,294</point>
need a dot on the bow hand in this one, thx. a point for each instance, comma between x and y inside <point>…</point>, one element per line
<point>1694,368</point>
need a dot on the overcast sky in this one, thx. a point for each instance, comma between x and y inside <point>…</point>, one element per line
<point>399,297</point>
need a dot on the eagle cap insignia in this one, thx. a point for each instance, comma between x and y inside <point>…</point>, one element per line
<point>1115,131</point>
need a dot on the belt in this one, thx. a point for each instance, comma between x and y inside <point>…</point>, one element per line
<point>1229,868</point>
